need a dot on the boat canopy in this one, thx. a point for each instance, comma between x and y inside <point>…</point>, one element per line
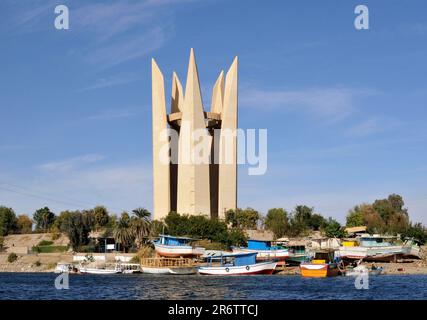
<point>174,241</point>
<point>374,242</point>
<point>238,259</point>
<point>259,244</point>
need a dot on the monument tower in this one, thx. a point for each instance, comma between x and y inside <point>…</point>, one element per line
<point>182,185</point>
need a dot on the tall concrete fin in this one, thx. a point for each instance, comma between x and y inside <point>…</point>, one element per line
<point>194,149</point>
<point>177,95</point>
<point>161,175</point>
<point>218,94</point>
<point>227,191</point>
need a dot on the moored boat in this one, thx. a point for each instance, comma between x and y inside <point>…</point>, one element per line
<point>322,266</point>
<point>372,248</point>
<point>65,268</point>
<point>264,250</point>
<point>175,247</point>
<point>86,270</point>
<point>237,264</point>
<point>175,266</point>
<point>131,268</point>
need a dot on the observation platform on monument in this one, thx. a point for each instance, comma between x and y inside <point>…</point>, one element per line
<point>212,120</point>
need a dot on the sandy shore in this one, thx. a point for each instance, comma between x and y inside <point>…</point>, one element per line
<point>409,268</point>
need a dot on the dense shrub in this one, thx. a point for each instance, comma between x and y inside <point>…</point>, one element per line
<point>12,257</point>
<point>202,227</point>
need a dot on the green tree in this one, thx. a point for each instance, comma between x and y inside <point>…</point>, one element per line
<point>75,225</point>
<point>8,221</point>
<point>24,224</point>
<point>1,243</point>
<point>242,218</point>
<point>156,228</point>
<point>123,232</point>
<point>300,220</point>
<point>355,217</point>
<point>333,229</point>
<point>277,221</point>
<point>302,214</point>
<point>316,222</point>
<point>101,216</point>
<point>416,231</point>
<point>44,219</point>
<point>140,223</point>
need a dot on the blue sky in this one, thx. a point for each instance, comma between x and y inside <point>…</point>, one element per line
<point>345,109</point>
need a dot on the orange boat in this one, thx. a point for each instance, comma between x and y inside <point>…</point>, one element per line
<point>320,267</point>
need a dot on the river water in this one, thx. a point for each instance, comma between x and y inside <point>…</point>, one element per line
<point>36,286</point>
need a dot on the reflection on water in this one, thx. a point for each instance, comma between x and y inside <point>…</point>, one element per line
<point>41,286</point>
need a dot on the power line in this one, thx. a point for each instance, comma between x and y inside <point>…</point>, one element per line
<point>69,200</point>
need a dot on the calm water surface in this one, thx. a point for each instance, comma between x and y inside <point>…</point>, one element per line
<point>95,287</point>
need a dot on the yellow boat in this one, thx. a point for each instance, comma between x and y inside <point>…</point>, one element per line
<point>320,268</point>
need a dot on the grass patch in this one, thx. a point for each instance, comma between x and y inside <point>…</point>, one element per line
<point>49,249</point>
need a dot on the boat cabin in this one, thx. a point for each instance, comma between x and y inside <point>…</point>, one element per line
<point>375,241</point>
<point>233,260</point>
<point>261,245</point>
<point>174,241</point>
<point>323,256</point>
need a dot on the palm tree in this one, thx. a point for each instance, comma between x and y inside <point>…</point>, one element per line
<point>140,224</point>
<point>123,231</point>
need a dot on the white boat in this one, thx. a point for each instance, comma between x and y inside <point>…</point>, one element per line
<point>130,268</point>
<point>85,270</point>
<point>174,247</point>
<point>237,264</point>
<point>375,248</point>
<point>168,270</point>
<point>156,270</point>
<point>65,268</point>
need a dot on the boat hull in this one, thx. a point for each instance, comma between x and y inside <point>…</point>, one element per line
<point>311,270</point>
<point>98,271</point>
<point>388,253</point>
<point>178,251</point>
<point>265,255</point>
<point>253,269</point>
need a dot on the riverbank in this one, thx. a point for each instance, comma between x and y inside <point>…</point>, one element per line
<point>46,262</point>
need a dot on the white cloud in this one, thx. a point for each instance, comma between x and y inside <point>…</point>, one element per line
<point>330,104</point>
<point>373,125</point>
<point>111,81</point>
<point>128,48</point>
<point>110,33</point>
<point>115,114</point>
<point>70,164</point>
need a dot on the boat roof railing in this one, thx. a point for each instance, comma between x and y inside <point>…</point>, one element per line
<point>175,237</point>
<point>233,255</point>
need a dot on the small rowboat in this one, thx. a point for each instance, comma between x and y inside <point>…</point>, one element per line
<point>237,264</point>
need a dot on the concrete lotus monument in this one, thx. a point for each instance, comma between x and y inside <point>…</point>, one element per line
<point>195,173</point>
